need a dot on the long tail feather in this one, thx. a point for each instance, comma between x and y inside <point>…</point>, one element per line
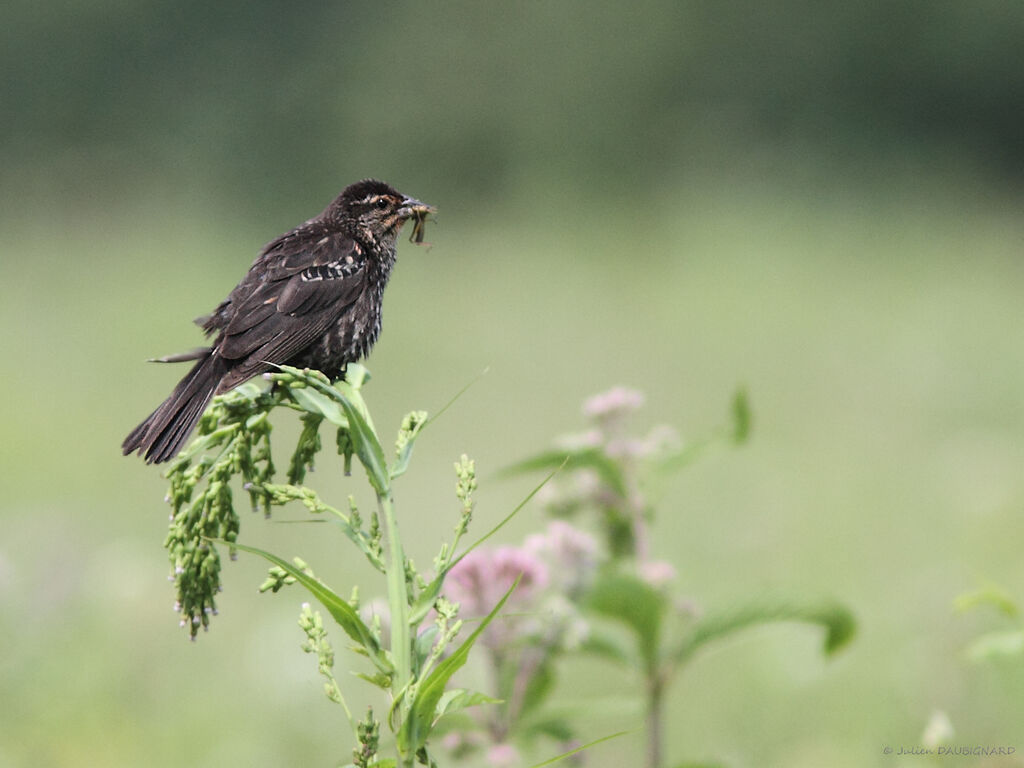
<point>161,435</point>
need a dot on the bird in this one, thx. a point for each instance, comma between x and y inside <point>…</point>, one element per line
<point>311,299</point>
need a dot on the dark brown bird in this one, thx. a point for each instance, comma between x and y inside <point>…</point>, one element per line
<point>312,299</point>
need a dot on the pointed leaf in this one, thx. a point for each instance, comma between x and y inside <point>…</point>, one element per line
<point>368,448</point>
<point>426,598</point>
<point>839,624</point>
<point>741,417</point>
<point>539,685</point>
<point>458,699</point>
<point>591,458</point>
<point>354,396</point>
<point>356,374</point>
<point>421,717</point>
<point>606,646</point>
<point>635,603</point>
<point>989,594</point>
<point>364,438</point>
<point>380,680</point>
<point>315,402</point>
<point>339,608</point>
<point>423,646</point>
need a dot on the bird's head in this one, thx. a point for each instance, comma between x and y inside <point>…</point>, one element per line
<point>373,212</point>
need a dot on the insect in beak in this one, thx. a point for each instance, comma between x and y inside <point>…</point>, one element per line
<point>418,212</point>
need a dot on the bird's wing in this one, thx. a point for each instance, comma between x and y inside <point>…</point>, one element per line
<point>302,293</point>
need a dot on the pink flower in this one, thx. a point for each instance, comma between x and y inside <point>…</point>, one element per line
<point>503,755</point>
<point>657,573</point>
<point>570,553</point>
<point>626,448</point>
<point>483,576</point>
<point>615,401</point>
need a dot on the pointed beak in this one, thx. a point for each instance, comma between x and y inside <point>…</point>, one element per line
<point>412,207</point>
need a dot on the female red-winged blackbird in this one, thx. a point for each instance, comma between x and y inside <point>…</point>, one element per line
<point>312,299</point>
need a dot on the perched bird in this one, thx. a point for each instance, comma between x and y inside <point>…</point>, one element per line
<point>312,299</point>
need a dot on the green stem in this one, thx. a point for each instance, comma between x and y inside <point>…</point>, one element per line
<point>655,718</point>
<point>398,602</point>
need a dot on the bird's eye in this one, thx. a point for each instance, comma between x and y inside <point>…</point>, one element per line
<point>383,202</point>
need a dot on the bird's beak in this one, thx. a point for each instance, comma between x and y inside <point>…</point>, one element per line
<point>412,207</point>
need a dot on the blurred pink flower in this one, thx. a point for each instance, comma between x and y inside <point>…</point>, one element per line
<point>503,755</point>
<point>657,573</point>
<point>570,553</point>
<point>660,440</point>
<point>483,576</point>
<point>616,400</point>
<point>626,448</point>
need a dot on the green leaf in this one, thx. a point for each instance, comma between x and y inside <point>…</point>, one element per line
<point>737,433</point>
<point>606,646</point>
<point>994,645</point>
<point>316,403</point>
<point>538,687</point>
<point>458,699</point>
<point>426,598</point>
<point>838,622</point>
<point>989,594</point>
<point>416,727</point>
<point>423,646</point>
<point>368,449</point>
<point>356,374</point>
<point>339,608</point>
<point>364,438</point>
<point>353,394</point>
<point>635,603</point>
<point>741,417</point>
<point>380,680</point>
<point>591,458</point>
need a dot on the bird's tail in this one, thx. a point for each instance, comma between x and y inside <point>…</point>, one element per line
<point>166,429</point>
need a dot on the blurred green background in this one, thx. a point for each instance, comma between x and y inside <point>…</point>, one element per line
<point>821,201</point>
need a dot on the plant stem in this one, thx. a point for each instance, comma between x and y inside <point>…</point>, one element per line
<point>655,717</point>
<point>398,603</point>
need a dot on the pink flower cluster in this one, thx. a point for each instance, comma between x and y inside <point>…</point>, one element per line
<point>553,568</point>
<point>483,576</point>
<point>616,401</point>
<point>572,555</point>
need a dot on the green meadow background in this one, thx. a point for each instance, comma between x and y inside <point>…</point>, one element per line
<point>821,202</point>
